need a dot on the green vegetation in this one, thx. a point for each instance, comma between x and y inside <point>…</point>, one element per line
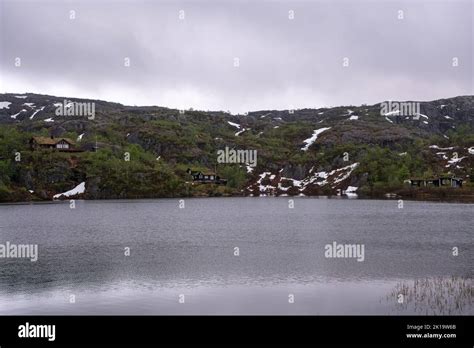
<point>145,153</point>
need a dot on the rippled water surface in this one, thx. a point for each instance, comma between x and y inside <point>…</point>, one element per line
<point>191,252</point>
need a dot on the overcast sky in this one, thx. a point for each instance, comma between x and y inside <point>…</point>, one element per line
<point>283,63</point>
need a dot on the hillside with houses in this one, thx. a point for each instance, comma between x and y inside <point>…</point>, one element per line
<point>144,152</point>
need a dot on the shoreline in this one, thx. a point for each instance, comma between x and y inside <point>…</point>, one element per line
<point>424,198</point>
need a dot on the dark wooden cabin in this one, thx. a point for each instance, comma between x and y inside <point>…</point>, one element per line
<point>60,144</point>
<point>206,178</point>
<point>443,181</point>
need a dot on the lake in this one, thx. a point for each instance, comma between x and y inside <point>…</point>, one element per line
<point>238,256</point>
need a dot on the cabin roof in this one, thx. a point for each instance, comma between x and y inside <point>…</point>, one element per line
<point>437,178</point>
<point>203,173</point>
<point>51,141</point>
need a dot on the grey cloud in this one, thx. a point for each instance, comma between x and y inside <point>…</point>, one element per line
<point>283,63</point>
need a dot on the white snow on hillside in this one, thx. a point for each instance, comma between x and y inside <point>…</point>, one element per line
<point>320,178</point>
<point>264,188</point>
<point>14,116</point>
<point>234,124</point>
<point>34,113</point>
<point>471,150</point>
<point>5,105</point>
<point>448,117</point>
<point>31,105</point>
<point>440,148</point>
<point>81,188</point>
<point>21,96</point>
<point>354,117</point>
<point>310,141</point>
<point>350,191</point>
<point>454,160</point>
<point>49,120</point>
<point>238,126</point>
<point>421,115</point>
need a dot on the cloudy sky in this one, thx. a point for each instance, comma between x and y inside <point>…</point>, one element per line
<point>238,55</point>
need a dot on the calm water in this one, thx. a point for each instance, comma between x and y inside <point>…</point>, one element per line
<point>190,252</point>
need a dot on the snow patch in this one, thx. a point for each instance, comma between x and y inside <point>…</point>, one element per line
<point>5,105</point>
<point>34,113</point>
<point>313,138</point>
<point>321,178</point>
<point>351,189</point>
<point>81,188</point>
<point>418,114</point>
<point>440,148</point>
<point>14,116</point>
<point>454,160</point>
<point>234,124</point>
<point>238,126</point>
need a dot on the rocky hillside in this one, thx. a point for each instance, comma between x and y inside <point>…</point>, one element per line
<point>365,150</point>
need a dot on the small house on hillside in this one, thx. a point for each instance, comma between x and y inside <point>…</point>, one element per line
<point>206,178</point>
<point>437,182</point>
<point>61,144</point>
